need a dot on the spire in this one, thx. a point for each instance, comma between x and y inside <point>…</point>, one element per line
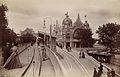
<point>78,21</point>
<point>78,16</point>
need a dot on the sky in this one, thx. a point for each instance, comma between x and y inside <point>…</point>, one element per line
<point>31,13</point>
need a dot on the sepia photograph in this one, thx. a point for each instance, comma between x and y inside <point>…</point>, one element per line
<point>59,38</point>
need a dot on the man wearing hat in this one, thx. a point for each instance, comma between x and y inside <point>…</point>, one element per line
<point>6,52</point>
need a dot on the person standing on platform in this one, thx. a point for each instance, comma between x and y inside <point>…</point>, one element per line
<point>95,73</point>
<point>108,73</point>
<point>70,48</point>
<point>101,67</point>
<point>83,55</point>
<point>80,54</point>
<point>100,71</point>
<point>6,52</point>
<point>112,73</point>
<point>44,53</point>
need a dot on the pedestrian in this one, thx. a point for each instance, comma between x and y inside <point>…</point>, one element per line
<point>83,55</point>
<point>70,48</point>
<point>101,67</point>
<point>80,54</point>
<point>44,53</point>
<point>38,43</point>
<point>112,73</point>
<point>108,73</point>
<point>32,43</point>
<point>99,73</point>
<point>6,52</point>
<point>95,73</point>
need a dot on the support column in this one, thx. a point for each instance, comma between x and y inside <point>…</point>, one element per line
<point>75,44</point>
<point>71,41</point>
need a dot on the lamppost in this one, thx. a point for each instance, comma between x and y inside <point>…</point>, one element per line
<point>44,50</point>
<point>44,32</point>
<point>50,30</point>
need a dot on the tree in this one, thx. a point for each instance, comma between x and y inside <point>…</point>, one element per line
<point>3,23</point>
<point>26,38</point>
<point>87,40</point>
<point>107,34</point>
<point>117,39</point>
<point>85,35</point>
<point>10,36</point>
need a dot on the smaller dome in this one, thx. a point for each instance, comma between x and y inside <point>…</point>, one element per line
<point>86,24</point>
<point>67,21</point>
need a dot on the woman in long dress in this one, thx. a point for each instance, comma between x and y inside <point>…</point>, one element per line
<point>13,61</point>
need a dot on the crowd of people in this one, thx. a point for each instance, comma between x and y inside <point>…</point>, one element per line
<point>10,59</point>
<point>100,72</point>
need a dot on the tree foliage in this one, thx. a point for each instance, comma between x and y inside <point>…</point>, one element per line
<point>26,38</point>
<point>3,18</point>
<point>10,36</point>
<point>6,34</point>
<point>117,39</point>
<point>3,23</point>
<point>85,35</point>
<point>107,34</point>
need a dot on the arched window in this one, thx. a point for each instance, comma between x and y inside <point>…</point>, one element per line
<point>77,34</point>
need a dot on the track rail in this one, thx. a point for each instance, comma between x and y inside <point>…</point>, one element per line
<point>40,61</point>
<point>28,65</point>
<point>56,63</point>
<point>75,59</point>
<point>13,55</point>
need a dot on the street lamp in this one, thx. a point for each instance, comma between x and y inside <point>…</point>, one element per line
<point>44,32</point>
<point>50,30</point>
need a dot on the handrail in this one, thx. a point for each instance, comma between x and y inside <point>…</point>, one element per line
<point>13,55</point>
<point>29,64</point>
<point>40,62</point>
<point>62,68</point>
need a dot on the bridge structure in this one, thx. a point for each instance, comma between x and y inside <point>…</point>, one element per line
<point>57,63</point>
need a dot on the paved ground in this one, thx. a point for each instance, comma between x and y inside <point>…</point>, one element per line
<point>47,69</point>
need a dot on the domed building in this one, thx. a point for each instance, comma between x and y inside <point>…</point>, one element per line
<point>72,33</point>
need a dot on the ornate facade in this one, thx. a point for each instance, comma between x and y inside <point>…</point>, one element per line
<point>71,31</point>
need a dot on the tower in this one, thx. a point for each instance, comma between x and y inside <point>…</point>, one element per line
<point>66,30</point>
<point>78,22</point>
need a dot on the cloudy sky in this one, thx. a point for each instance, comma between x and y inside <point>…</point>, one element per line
<point>31,13</point>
